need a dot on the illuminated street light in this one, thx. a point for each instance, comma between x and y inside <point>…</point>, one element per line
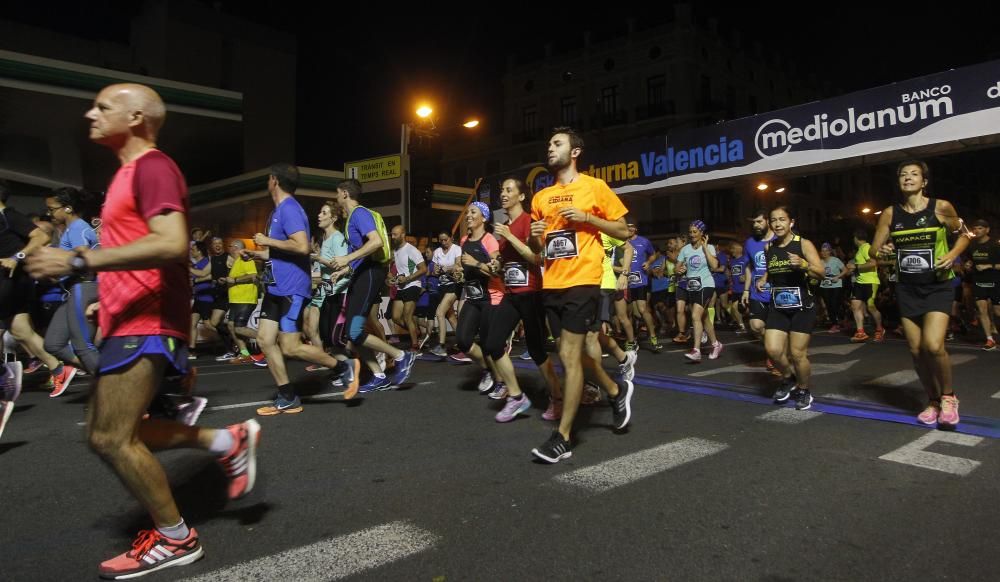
<point>780,190</point>
<point>471,123</point>
<point>866,210</point>
<point>877,213</point>
<point>762,186</point>
<point>424,111</point>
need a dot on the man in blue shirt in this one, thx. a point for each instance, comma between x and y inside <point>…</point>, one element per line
<point>286,274</point>
<point>638,284</point>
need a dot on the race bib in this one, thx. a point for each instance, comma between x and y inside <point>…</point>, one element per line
<point>916,265</point>
<point>561,244</point>
<point>787,297</point>
<point>516,275</point>
<point>635,278</point>
<point>694,284</point>
<point>474,290</point>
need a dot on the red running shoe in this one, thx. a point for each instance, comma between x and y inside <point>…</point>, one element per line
<point>152,551</point>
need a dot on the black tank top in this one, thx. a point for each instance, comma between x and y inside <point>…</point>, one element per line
<point>920,240</point>
<point>476,282</point>
<point>789,285</point>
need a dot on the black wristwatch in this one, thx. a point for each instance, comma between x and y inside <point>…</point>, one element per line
<point>78,264</point>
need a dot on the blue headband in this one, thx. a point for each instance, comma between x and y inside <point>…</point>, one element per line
<point>483,208</point>
<point>699,225</point>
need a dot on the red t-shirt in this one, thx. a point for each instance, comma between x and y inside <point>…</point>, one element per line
<point>522,277</point>
<point>152,301</point>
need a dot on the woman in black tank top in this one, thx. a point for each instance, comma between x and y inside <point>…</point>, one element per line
<point>918,227</point>
<point>791,260</point>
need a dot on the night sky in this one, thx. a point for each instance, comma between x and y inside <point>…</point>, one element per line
<point>359,73</point>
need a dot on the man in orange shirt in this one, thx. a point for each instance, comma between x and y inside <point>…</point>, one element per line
<point>567,221</point>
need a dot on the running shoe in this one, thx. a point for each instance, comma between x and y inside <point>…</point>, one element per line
<point>60,382</point>
<point>803,399</point>
<point>990,345</point>
<point>716,350</point>
<point>930,414</point>
<point>34,365</point>
<point>859,336</point>
<point>380,358</point>
<point>349,374</point>
<point>240,465</point>
<point>834,329</point>
<point>555,449</point>
<point>403,368</point>
<point>499,391</point>
<point>655,345</point>
<point>772,369</point>
<point>948,416</point>
<point>704,337</point>
<point>591,394</point>
<point>227,357</point>
<point>553,411</point>
<point>526,355</point>
<point>376,384</point>
<point>513,407</point>
<point>741,329</point>
<point>626,369</point>
<point>424,340</point>
<point>281,406</point>
<point>486,382</point>
<point>189,412</point>
<point>681,339</point>
<point>631,346</point>
<point>316,368</point>
<point>259,360</point>
<point>460,358</point>
<point>785,391</point>
<point>621,405</point>
<point>439,351</point>
<point>192,355</point>
<point>152,551</point>
<point>879,334</point>
<point>241,359</point>
<point>693,355</point>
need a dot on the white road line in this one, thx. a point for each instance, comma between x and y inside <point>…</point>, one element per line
<point>240,405</point>
<point>707,346</point>
<point>997,395</point>
<point>915,455</point>
<point>837,350</point>
<point>904,377</point>
<point>624,470</point>
<point>789,415</point>
<point>200,373</point>
<point>334,558</point>
<point>817,369</point>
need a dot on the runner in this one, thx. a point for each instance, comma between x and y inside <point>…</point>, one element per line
<point>737,266</point>
<point>410,267</point>
<point>446,265</point>
<point>145,319</point>
<point>757,300</point>
<point>694,263</point>
<point>568,218</point>
<point>241,288</point>
<point>985,255</point>
<point>831,288</point>
<point>638,284</point>
<point>328,299</point>
<point>919,227</point>
<point>865,289</point>
<point>791,259</point>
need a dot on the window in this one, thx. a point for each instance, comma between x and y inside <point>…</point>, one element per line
<point>567,111</point>
<point>656,90</point>
<point>529,120</point>
<point>609,100</point>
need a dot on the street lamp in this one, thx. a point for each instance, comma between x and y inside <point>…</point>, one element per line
<point>471,124</point>
<point>762,187</point>
<point>424,111</point>
<point>780,190</point>
<point>866,210</point>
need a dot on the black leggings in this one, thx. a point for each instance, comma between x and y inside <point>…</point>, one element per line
<point>832,298</point>
<point>328,314</point>
<point>493,323</point>
<point>531,310</point>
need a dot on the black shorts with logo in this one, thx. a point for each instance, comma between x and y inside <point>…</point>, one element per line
<point>990,293</point>
<point>409,294</point>
<point>574,309</point>
<point>239,313</point>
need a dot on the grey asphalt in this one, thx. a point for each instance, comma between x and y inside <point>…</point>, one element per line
<point>806,501</point>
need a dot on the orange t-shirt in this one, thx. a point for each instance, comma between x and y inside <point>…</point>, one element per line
<point>574,254</point>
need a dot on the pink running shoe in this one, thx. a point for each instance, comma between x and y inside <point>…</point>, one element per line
<point>929,416</point>
<point>554,411</point>
<point>716,350</point>
<point>693,355</point>
<point>240,464</point>
<point>949,411</point>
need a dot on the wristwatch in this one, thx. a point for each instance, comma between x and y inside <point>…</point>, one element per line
<point>20,256</point>
<point>78,264</point>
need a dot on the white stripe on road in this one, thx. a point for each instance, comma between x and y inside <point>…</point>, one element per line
<point>200,373</point>
<point>707,346</point>
<point>240,405</point>
<point>905,377</point>
<point>997,395</point>
<point>624,470</point>
<point>837,350</point>
<point>915,455</point>
<point>334,558</point>
<point>817,369</point>
<point>789,415</point>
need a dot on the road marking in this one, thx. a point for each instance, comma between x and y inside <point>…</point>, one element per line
<point>997,395</point>
<point>837,350</point>
<point>706,346</point>
<point>914,453</point>
<point>789,415</point>
<point>817,369</point>
<point>905,377</point>
<point>200,373</point>
<point>334,558</point>
<point>624,470</point>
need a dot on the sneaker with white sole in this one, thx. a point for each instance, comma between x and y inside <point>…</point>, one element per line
<point>152,551</point>
<point>513,407</point>
<point>485,382</point>
<point>693,355</point>
<point>716,350</point>
<point>626,369</point>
